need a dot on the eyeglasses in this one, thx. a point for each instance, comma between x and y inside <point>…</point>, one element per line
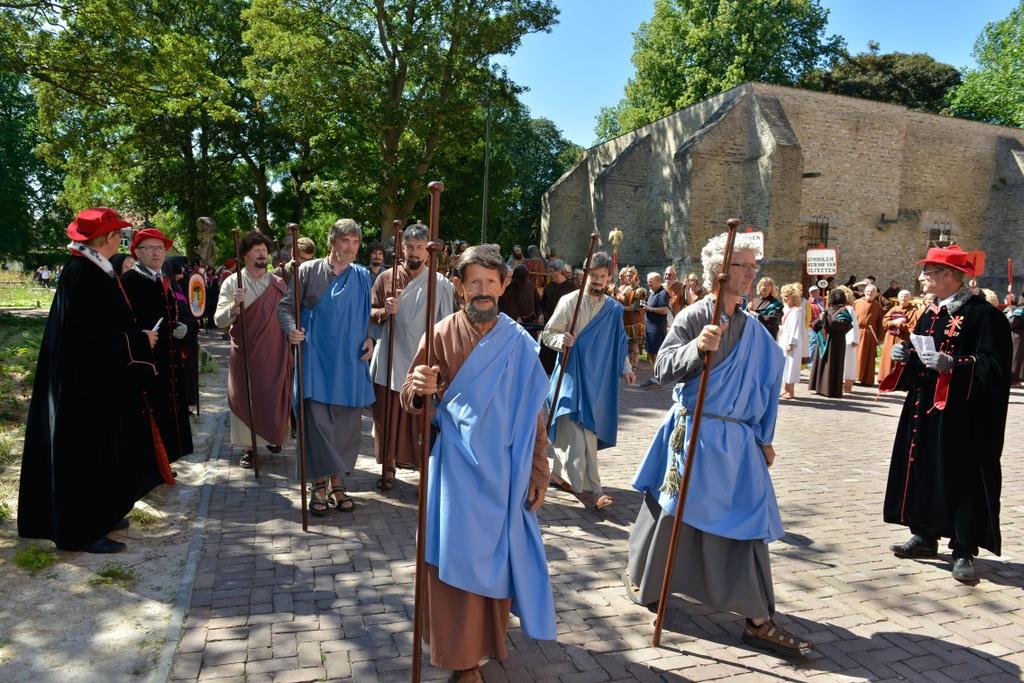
<point>155,248</point>
<point>932,272</point>
<point>749,267</point>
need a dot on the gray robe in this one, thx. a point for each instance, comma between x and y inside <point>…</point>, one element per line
<point>724,573</point>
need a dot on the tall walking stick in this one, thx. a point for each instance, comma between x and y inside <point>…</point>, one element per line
<point>691,448</point>
<point>435,188</point>
<point>572,330</point>
<point>300,416</point>
<point>245,358</point>
<point>388,451</point>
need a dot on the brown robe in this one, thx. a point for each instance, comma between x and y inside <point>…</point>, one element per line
<point>897,322</point>
<point>462,627</point>
<point>632,317</point>
<point>270,367</point>
<point>403,427</point>
<point>869,320</point>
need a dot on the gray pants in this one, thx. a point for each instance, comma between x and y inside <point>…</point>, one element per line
<point>332,438</point>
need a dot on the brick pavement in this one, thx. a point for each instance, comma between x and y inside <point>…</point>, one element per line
<point>270,603</point>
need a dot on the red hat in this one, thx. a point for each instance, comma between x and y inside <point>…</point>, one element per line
<point>150,234</point>
<point>229,264</point>
<point>95,222</point>
<point>970,262</point>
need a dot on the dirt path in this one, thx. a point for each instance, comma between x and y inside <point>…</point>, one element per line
<point>63,622</point>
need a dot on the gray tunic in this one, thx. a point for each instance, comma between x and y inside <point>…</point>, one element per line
<point>724,573</point>
<point>332,432</point>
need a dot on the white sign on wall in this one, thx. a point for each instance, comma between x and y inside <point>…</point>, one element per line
<point>822,262</point>
<point>756,242</point>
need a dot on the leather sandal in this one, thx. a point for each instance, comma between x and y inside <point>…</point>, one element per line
<point>344,502</point>
<point>773,638</point>
<point>318,506</point>
<point>603,502</point>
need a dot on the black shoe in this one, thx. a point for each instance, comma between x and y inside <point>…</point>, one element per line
<point>273,448</point>
<point>245,462</point>
<point>103,545</point>
<point>963,570</point>
<point>122,525</point>
<point>915,547</point>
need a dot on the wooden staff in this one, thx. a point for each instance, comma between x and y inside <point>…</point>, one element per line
<point>433,247</point>
<point>389,444</point>
<point>572,330</point>
<point>245,357</point>
<point>691,448</point>
<point>300,417</point>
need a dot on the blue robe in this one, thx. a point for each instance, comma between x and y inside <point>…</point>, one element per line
<point>590,389</point>
<point>333,371</point>
<point>480,535</point>
<point>731,492</point>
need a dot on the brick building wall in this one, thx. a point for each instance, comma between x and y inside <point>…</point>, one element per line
<point>882,178</point>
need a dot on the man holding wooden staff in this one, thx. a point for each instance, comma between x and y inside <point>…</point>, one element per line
<point>270,366</point>
<point>336,348</point>
<point>407,312</point>
<point>488,468</point>
<point>731,513</point>
<point>587,408</point>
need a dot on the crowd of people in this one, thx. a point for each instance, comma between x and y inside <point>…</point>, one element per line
<point>116,379</point>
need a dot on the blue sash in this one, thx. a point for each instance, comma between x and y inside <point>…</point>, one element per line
<point>731,492</point>
<point>332,369</point>
<point>480,535</point>
<point>590,388</point>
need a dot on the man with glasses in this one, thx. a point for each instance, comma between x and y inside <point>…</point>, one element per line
<point>151,295</point>
<point>944,476</point>
<point>731,514</point>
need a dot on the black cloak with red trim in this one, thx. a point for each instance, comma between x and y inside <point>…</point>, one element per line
<point>88,444</point>
<point>945,463</point>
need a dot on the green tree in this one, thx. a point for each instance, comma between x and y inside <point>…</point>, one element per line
<point>385,84</point>
<point>694,49</point>
<point>32,223</point>
<point>993,92</point>
<point>914,80</point>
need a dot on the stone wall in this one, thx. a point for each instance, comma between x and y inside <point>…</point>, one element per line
<point>880,175</point>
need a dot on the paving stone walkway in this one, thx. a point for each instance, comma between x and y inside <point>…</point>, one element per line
<point>271,603</point>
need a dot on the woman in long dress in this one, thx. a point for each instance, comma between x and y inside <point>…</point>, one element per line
<point>852,342</point>
<point>792,333</point>
<point>831,329</point>
<point>898,322</point>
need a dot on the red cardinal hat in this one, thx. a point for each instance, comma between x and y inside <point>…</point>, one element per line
<point>970,262</point>
<point>150,234</point>
<point>95,222</point>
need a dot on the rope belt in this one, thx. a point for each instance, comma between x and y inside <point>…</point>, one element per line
<point>678,442</point>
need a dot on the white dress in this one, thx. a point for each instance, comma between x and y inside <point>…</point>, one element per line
<point>789,335</point>
<point>852,340</point>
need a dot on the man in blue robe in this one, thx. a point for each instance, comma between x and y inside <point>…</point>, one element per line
<point>488,475</point>
<point>336,349</point>
<point>587,411</point>
<point>731,512</point>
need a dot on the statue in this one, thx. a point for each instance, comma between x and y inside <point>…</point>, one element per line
<point>206,246</point>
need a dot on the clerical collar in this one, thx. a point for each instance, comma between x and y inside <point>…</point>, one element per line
<point>90,254</point>
<point>149,274</point>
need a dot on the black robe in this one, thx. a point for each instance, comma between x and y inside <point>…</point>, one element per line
<point>827,371</point>
<point>945,477</point>
<point>769,311</point>
<point>169,391</point>
<point>88,446</point>
<point>553,291</point>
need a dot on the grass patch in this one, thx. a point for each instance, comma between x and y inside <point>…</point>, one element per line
<point>207,363</point>
<point>115,574</point>
<point>20,291</point>
<point>142,519</point>
<point>20,338</point>
<point>7,454</point>
<point>5,511</point>
<point>34,558</point>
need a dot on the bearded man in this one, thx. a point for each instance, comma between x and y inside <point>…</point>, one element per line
<point>587,409</point>
<point>488,476</point>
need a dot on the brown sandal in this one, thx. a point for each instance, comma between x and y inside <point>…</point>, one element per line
<point>603,502</point>
<point>773,638</point>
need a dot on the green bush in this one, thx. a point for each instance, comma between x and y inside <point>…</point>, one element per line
<point>34,558</point>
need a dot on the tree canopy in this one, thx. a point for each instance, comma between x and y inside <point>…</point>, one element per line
<point>993,91</point>
<point>915,80</point>
<point>263,112</point>
<point>693,49</point>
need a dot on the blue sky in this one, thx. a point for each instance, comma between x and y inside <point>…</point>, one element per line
<point>583,64</point>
